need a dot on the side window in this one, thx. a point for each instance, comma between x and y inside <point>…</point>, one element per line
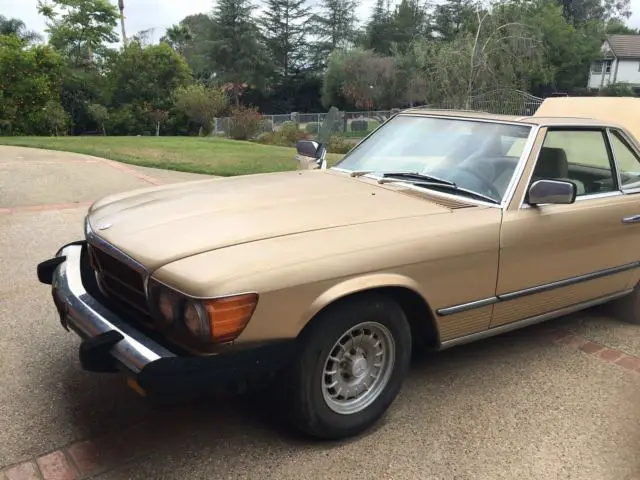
<point>627,160</point>
<point>580,156</point>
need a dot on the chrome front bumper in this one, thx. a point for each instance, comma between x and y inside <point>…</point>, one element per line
<point>87,317</point>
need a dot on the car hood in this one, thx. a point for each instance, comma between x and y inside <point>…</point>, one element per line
<point>163,224</point>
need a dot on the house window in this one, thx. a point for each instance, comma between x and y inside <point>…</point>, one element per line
<point>597,66</point>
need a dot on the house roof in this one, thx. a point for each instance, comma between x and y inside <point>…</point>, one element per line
<point>624,46</point>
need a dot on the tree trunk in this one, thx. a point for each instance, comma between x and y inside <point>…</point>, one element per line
<point>124,32</point>
<point>157,129</point>
<point>104,130</point>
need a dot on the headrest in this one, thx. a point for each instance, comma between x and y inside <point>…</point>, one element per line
<point>552,163</point>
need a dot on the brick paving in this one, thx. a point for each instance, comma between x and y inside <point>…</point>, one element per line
<point>87,458</point>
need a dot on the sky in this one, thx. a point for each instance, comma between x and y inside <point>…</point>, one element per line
<point>140,14</point>
<point>160,14</point>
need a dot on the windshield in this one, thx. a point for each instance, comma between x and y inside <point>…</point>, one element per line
<point>477,156</point>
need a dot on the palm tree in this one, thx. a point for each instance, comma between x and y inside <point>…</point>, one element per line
<point>178,36</point>
<point>124,32</point>
<point>15,26</point>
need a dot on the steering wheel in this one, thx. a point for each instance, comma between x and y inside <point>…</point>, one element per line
<point>488,186</point>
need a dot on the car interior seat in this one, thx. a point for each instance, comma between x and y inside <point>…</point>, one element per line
<point>553,165</point>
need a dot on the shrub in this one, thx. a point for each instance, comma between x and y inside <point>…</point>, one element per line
<point>267,138</point>
<point>289,133</point>
<point>312,127</point>
<point>359,126</point>
<point>286,136</point>
<point>245,123</point>
<point>201,104</point>
<point>286,124</point>
<point>338,144</point>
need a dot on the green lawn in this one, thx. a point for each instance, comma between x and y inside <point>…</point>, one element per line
<point>215,156</point>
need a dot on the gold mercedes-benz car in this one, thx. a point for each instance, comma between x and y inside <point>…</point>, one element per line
<point>439,228</point>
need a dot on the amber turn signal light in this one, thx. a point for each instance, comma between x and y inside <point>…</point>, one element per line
<point>229,316</point>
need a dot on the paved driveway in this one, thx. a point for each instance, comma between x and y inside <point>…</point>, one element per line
<point>535,404</point>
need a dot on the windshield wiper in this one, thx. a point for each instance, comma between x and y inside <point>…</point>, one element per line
<point>422,180</point>
<point>414,176</point>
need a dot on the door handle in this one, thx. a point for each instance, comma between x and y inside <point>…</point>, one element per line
<point>631,219</point>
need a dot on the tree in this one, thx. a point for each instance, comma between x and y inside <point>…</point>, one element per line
<point>55,118</point>
<point>201,104</point>
<point>617,26</point>
<point>15,26</point>
<point>198,49</point>
<point>334,26</point>
<point>157,116</point>
<point>378,29</point>
<point>142,79</point>
<point>360,77</point>
<point>498,52</point>
<point>284,33</point>
<point>568,50</point>
<point>408,22</point>
<point>30,79</point>
<point>99,114</point>
<point>80,28</point>
<point>453,16</point>
<point>238,55</point>
<point>579,12</point>
<point>178,37</point>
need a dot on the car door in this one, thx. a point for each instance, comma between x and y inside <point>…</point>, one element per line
<point>553,257</point>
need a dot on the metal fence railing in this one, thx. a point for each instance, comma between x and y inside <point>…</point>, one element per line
<point>502,101</point>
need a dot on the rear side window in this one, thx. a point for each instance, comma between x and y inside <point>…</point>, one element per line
<point>627,160</point>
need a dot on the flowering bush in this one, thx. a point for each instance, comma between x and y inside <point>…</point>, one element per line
<point>245,123</point>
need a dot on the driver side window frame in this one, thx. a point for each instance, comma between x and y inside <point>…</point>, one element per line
<point>604,131</point>
<point>629,142</point>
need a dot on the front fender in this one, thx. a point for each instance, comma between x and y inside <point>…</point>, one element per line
<point>354,285</point>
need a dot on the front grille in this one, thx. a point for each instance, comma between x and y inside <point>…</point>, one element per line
<point>118,280</point>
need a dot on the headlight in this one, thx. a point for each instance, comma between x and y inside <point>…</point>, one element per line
<point>215,320</point>
<point>168,304</point>
<point>221,319</point>
<point>196,320</point>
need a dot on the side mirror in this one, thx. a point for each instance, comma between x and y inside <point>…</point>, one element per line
<point>310,155</point>
<point>308,148</point>
<point>552,191</point>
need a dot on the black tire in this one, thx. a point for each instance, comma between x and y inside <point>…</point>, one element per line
<point>308,410</point>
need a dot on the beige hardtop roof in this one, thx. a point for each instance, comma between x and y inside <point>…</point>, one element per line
<point>617,111</point>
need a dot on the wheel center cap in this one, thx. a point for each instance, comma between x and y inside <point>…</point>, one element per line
<point>358,366</point>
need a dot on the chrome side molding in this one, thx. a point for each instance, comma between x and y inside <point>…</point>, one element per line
<point>537,289</point>
<point>530,321</point>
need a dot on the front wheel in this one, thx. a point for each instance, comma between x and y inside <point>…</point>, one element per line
<point>351,365</point>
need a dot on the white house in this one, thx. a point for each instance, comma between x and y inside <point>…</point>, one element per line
<point>620,62</point>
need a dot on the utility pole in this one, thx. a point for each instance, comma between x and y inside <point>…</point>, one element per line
<point>124,32</point>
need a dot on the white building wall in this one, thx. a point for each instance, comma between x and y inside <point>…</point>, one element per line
<point>624,70</point>
<point>602,79</point>
<point>628,71</point>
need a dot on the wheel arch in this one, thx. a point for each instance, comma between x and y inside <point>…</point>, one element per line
<point>402,290</point>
